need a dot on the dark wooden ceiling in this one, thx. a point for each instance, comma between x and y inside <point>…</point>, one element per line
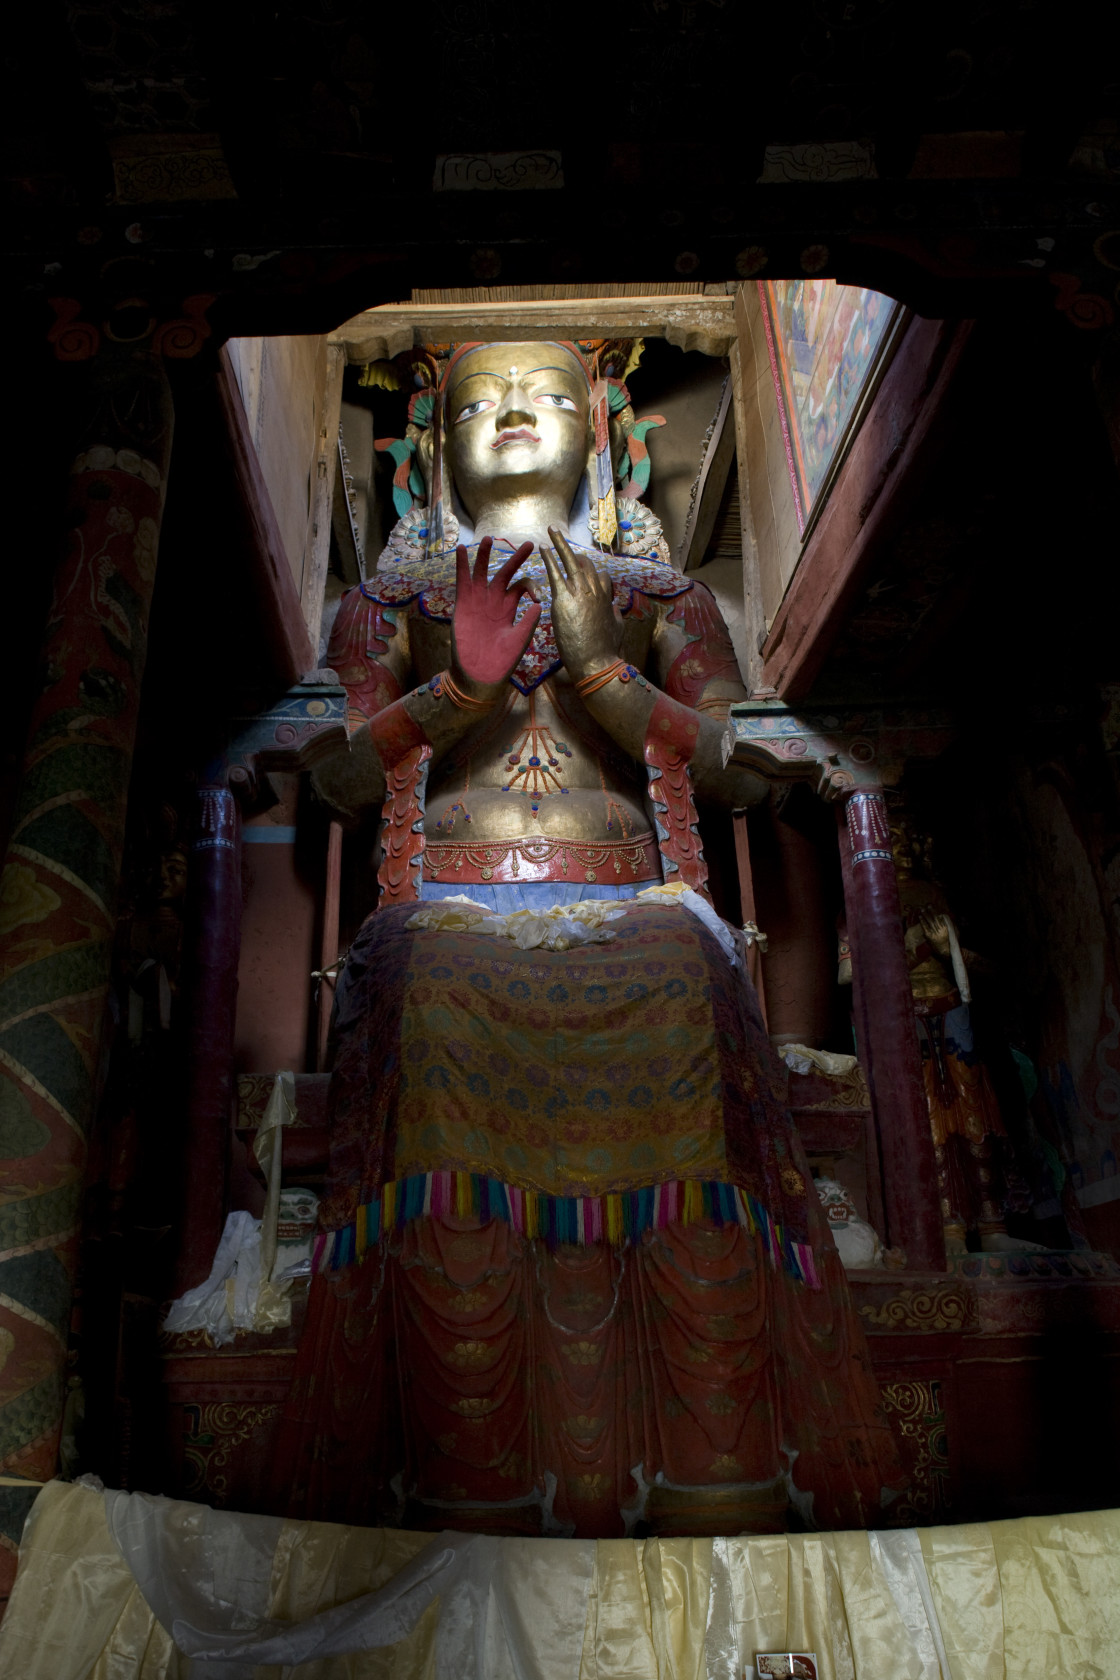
<point>280,158</point>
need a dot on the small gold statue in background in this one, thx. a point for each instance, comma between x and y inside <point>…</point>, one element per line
<point>969,1136</point>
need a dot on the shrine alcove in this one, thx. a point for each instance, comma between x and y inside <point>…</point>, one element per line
<point>726,656</point>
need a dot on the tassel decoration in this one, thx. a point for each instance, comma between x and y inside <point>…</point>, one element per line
<point>622,1217</point>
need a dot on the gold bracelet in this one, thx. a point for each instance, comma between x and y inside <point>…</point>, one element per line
<point>599,679</point>
<point>442,684</point>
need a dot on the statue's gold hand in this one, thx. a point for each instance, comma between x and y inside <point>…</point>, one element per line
<point>936,929</point>
<point>487,640</point>
<point>587,623</point>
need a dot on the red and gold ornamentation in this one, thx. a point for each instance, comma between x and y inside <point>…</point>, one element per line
<point>444,685</point>
<point>396,734</point>
<point>915,1409</point>
<point>619,668</point>
<point>359,640</point>
<point>533,760</point>
<point>402,840</point>
<point>58,895</point>
<point>709,656</point>
<point>615,862</point>
<point>671,737</point>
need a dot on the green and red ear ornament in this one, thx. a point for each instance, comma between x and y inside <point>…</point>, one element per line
<point>634,470</point>
<point>408,484</point>
<point>618,397</point>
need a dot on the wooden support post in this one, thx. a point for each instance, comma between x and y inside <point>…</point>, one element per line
<point>800,950</point>
<point>885,1028</point>
<point>280,910</point>
<point>747,904</point>
<point>329,952</point>
<point>754,610</point>
<point>211,948</point>
<point>317,550</point>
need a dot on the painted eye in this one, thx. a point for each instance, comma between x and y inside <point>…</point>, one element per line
<point>554,399</point>
<point>474,408</point>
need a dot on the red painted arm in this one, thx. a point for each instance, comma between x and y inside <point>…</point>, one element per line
<point>370,653</point>
<point>672,736</point>
<point>704,672</point>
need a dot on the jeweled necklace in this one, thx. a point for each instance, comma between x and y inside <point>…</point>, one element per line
<point>533,760</point>
<point>459,809</point>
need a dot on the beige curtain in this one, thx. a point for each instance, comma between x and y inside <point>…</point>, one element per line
<point>1035,1599</point>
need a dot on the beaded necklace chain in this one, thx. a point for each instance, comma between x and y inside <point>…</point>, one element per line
<point>533,760</point>
<point>459,809</point>
<point>533,766</point>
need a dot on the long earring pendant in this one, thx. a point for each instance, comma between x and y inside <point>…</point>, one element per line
<point>435,523</point>
<point>604,469</point>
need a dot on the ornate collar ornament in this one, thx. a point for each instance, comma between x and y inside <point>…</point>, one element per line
<point>429,579</point>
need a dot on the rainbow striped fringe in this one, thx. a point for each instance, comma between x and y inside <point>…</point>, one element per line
<point>618,1219</point>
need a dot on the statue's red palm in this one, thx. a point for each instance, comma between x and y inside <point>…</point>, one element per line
<point>487,640</point>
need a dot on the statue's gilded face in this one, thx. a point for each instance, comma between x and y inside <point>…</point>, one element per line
<point>517,418</point>
<point>172,875</point>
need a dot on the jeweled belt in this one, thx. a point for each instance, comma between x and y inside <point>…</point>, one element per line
<point>613,862</point>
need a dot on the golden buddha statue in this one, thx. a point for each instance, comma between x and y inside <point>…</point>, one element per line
<point>536,733</point>
<point>573,1276</point>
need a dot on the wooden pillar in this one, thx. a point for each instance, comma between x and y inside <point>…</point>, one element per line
<point>317,548</point>
<point>747,904</point>
<point>278,947</point>
<point>329,952</point>
<point>60,880</point>
<point>211,948</point>
<point>885,1027</point>
<point>800,957</point>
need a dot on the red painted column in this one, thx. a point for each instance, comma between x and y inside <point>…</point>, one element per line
<point>885,1026</point>
<point>58,893</point>
<point>211,948</point>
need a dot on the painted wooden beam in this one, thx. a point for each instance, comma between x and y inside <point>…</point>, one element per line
<point>317,547</point>
<point>876,485</point>
<point>691,323</point>
<point>754,611</point>
<point>277,595</point>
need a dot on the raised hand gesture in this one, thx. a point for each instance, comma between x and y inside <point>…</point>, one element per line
<point>588,626</point>
<point>486,638</point>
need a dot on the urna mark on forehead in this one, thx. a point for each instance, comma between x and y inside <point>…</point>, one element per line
<point>513,359</point>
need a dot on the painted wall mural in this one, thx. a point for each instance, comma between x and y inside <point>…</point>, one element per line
<point>1065,959</point>
<point>826,342</point>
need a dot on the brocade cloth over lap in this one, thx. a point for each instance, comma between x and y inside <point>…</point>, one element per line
<point>465,1374</point>
<point>605,1068</point>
